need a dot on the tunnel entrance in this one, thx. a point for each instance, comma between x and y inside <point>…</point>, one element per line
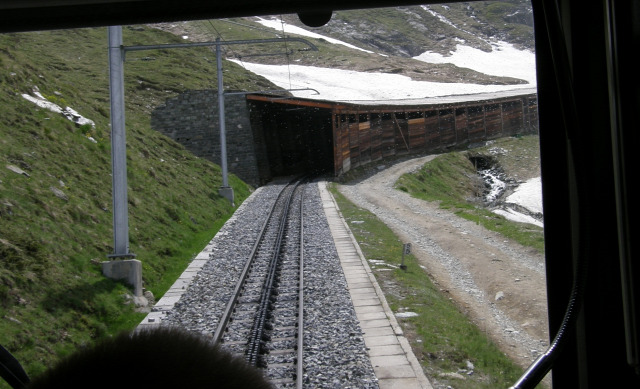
<point>293,137</point>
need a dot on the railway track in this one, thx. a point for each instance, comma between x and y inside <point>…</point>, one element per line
<point>263,320</point>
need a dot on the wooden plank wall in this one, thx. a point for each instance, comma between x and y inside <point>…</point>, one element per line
<point>475,123</point>
<point>354,139</point>
<point>447,127</point>
<point>417,138</point>
<point>388,135</point>
<point>364,137</point>
<point>364,134</point>
<point>462,125</point>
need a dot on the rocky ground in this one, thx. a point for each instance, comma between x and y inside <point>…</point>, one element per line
<point>498,283</point>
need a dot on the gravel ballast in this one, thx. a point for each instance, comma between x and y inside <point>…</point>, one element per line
<point>335,355</point>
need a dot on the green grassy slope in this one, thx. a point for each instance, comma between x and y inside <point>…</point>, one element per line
<point>55,185</point>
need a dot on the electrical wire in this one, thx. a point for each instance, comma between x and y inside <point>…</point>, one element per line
<point>225,47</point>
<point>268,30</point>
<point>286,49</point>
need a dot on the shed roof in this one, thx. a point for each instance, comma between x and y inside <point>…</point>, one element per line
<point>393,105</point>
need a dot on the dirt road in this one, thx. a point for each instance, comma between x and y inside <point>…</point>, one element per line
<point>499,283</point>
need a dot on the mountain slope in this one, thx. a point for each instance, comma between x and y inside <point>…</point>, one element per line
<point>55,184</point>
<point>410,31</point>
<point>382,40</point>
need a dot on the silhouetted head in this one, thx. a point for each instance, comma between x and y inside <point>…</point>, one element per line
<point>152,358</point>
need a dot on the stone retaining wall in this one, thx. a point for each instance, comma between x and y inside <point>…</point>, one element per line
<point>191,119</point>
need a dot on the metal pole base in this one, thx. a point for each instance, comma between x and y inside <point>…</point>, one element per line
<point>128,270</point>
<point>227,193</point>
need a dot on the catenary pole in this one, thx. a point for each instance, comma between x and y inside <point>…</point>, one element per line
<point>125,267</point>
<point>221,117</point>
<point>118,144</point>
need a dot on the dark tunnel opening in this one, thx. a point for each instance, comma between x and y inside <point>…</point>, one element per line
<point>295,139</point>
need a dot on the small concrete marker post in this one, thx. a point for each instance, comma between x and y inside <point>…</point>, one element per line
<point>406,250</point>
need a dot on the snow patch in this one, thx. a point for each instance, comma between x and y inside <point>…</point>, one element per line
<point>527,195</point>
<point>349,85</point>
<point>516,216</point>
<point>67,112</point>
<point>406,314</point>
<point>504,61</point>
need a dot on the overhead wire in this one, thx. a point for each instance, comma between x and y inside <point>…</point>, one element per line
<point>225,47</point>
<point>268,30</point>
<point>286,49</point>
<point>287,53</point>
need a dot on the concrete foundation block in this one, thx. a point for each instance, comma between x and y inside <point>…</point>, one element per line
<point>227,193</point>
<point>129,270</point>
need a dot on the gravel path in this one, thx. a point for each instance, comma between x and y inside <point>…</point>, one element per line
<point>500,284</point>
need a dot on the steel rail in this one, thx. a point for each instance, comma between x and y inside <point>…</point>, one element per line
<point>300,340</point>
<point>226,315</point>
<point>257,329</point>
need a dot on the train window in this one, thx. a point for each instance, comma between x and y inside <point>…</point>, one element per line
<point>435,86</point>
<point>470,91</point>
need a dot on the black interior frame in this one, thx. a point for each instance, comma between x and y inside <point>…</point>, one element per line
<point>589,102</point>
